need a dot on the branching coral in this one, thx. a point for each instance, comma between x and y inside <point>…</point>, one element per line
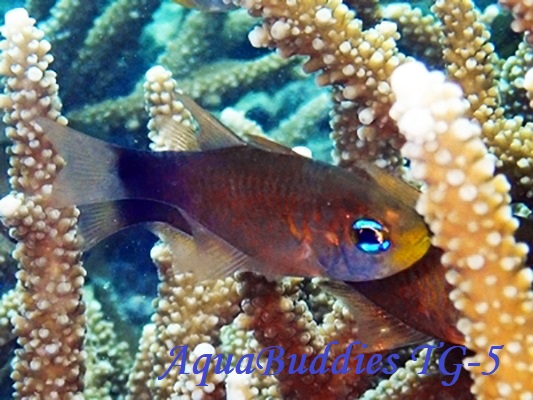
<point>447,152</point>
<point>523,13</point>
<point>50,321</point>
<point>355,52</point>
<point>356,61</point>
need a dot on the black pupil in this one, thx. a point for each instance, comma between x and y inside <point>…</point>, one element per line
<point>368,235</point>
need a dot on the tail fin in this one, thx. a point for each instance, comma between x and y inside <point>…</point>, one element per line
<point>91,171</point>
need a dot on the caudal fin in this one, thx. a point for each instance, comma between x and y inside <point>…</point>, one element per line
<point>90,174</point>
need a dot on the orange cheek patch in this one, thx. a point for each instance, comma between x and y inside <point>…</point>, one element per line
<point>293,229</point>
<point>332,238</point>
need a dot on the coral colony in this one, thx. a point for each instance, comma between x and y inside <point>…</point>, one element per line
<point>428,85</point>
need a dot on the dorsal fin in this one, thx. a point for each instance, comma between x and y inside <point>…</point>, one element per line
<point>398,188</point>
<point>174,134</point>
<point>213,134</point>
<point>264,143</point>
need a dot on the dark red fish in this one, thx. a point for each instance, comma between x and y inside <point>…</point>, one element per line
<point>410,306</point>
<point>234,206</point>
<point>406,308</point>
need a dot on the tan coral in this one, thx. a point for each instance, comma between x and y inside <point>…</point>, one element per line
<point>187,314</point>
<point>420,31</point>
<point>357,62</point>
<point>467,209</point>
<point>515,84</point>
<point>9,304</point>
<point>406,377</point>
<point>50,322</point>
<point>469,55</point>
<point>108,358</point>
<point>279,316</point>
<point>161,102</point>
<point>471,61</point>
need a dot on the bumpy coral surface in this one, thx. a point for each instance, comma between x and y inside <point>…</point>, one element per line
<point>468,146</point>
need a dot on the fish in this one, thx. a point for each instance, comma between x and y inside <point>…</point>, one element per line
<point>411,306</point>
<point>225,204</point>
<point>208,5</point>
<point>254,198</point>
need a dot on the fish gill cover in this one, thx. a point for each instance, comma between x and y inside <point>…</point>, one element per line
<point>70,343</point>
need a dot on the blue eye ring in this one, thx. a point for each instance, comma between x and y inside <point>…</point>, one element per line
<point>370,236</point>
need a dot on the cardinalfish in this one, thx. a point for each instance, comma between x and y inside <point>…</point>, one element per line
<point>412,306</point>
<point>225,205</point>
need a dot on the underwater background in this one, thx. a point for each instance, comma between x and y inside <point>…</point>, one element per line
<point>102,50</point>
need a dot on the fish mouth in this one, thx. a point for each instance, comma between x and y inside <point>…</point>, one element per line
<point>410,247</point>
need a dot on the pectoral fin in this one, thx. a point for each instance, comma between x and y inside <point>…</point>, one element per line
<point>376,327</point>
<point>203,253</point>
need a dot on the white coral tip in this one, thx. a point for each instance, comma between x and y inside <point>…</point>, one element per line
<point>157,73</point>
<point>405,76</point>
<point>9,206</point>
<point>238,387</point>
<point>18,17</point>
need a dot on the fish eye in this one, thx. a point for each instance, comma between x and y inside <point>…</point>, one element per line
<point>370,236</point>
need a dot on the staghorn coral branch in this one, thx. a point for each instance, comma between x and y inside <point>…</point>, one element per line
<point>278,315</point>
<point>420,32</point>
<point>469,55</point>
<point>108,360</point>
<point>356,62</point>
<point>9,304</point>
<point>50,321</point>
<point>467,209</point>
<point>523,12</point>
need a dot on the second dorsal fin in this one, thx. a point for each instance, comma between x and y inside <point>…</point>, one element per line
<point>264,143</point>
<point>398,188</point>
<point>215,135</point>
